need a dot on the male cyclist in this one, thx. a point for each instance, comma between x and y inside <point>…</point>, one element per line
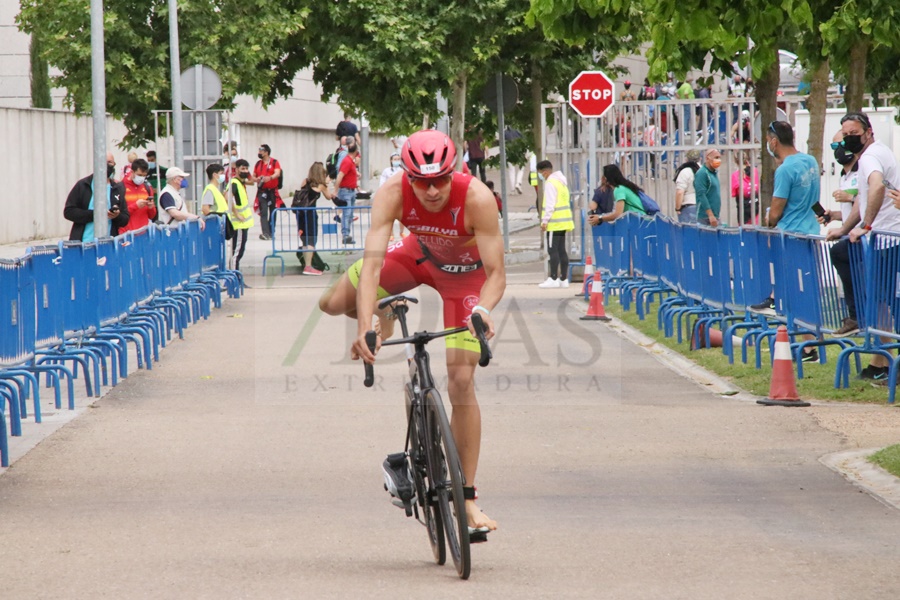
<point>456,248</point>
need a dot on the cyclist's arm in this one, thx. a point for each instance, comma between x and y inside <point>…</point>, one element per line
<point>387,205</point>
<point>481,214</point>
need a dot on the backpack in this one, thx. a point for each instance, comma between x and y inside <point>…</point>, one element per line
<point>331,163</point>
<point>280,177</point>
<point>303,198</point>
<point>648,204</point>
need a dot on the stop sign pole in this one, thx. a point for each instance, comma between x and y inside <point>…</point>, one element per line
<point>591,95</point>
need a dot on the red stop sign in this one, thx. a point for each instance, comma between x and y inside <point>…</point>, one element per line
<point>591,94</point>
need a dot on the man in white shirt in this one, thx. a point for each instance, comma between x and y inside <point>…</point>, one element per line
<point>873,209</point>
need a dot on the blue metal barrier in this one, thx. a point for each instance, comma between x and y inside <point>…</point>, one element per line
<point>83,303</point>
<point>286,230</point>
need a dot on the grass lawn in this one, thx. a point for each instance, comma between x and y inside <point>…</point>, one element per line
<point>817,384</point>
<point>888,459</point>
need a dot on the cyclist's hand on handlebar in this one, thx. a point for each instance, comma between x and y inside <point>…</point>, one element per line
<point>360,349</point>
<point>488,325</point>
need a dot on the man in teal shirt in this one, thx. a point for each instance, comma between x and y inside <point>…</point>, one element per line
<point>796,183</point>
<point>706,185</point>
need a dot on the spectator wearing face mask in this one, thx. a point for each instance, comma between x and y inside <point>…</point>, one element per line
<point>80,205</point>
<point>391,170</point>
<point>706,187</point>
<point>172,202</point>
<point>157,172</point>
<point>138,196</point>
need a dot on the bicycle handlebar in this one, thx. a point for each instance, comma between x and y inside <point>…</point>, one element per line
<point>371,339</point>
<point>425,337</point>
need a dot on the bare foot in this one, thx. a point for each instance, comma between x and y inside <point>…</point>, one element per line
<point>478,519</point>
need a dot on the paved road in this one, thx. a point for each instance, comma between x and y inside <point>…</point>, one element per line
<point>247,466</point>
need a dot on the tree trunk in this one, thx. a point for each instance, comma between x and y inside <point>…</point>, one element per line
<point>856,77</point>
<point>766,97</point>
<point>40,77</point>
<point>816,104</point>
<point>537,97</point>
<point>458,114</point>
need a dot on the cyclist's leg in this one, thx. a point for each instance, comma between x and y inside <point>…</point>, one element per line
<point>465,422</point>
<point>399,273</point>
<point>460,295</point>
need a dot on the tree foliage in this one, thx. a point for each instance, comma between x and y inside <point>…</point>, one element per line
<point>233,37</point>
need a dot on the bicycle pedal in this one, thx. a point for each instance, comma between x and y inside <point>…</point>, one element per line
<point>478,536</point>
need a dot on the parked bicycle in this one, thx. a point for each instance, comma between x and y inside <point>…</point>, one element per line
<point>426,479</point>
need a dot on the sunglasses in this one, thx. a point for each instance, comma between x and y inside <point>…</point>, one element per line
<point>835,145</point>
<point>423,183</point>
<point>862,120</point>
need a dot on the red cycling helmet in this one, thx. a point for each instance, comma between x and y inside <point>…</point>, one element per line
<point>428,153</point>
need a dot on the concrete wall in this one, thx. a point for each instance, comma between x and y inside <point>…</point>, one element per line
<point>15,62</point>
<point>45,153</point>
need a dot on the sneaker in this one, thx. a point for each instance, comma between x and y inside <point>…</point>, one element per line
<point>766,307</point>
<point>337,218</point>
<point>311,271</point>
<point>874,373</point>
<point>848,327</point>
<point>264,237</point>
<point>348,240</point>
<point>397,478</point>
<point>811,356</point>
<point>550,283</point>
<point>564,283</point>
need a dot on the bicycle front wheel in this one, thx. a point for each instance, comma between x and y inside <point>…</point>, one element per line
<point>425,496</point>
<point>448,480</point>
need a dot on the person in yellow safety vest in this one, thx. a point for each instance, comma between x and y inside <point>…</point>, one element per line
<point>556,220</point>
<point>213,202</point>
<point>533,177</point>
<point>241,211</point>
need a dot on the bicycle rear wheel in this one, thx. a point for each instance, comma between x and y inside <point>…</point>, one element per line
<point>448,481</point>
<point>425,496</point>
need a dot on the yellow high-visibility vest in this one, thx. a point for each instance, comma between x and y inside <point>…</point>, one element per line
<point>561,219</point>
<point>221,204</point>
<point>242,207</point>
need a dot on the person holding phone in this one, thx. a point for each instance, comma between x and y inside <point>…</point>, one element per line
<point>80,205</point>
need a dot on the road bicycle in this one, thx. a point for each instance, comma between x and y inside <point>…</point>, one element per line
<point>426,479</point>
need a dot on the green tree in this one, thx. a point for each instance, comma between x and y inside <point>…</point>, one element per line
<point>854,31</point>
<point>234,37</point>
<point>40,76</point>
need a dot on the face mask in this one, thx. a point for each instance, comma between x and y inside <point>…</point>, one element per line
<point>110,170</point>
<point>234,159</point>
<point>395,164</point>
<point>243,175</point>
<point>771,152</point>
<point>853,143</point>
<point>541,176</point>
<point>842,156</point>
<point>259,156</point>
<point>152,166</point>
<point>184,183</point>
<point>747,171</point>
<point>716,163</point>
<point>221,177</point>
<point>138,179</point>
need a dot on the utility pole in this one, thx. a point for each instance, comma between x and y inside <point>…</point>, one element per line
<point>175,62</point>
<point>98,110</point>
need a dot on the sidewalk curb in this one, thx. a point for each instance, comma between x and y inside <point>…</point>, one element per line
<point>851,464</point>
<point>680,364</point>
<point>871,478</point>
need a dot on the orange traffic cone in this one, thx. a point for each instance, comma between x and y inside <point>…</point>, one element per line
<point>715,338</point>
<point>783,390</point>
<point>588,273</point>
<point>595,308</point>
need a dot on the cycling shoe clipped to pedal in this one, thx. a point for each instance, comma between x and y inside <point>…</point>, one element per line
<point>398,481</point>
<point>478,534</point>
